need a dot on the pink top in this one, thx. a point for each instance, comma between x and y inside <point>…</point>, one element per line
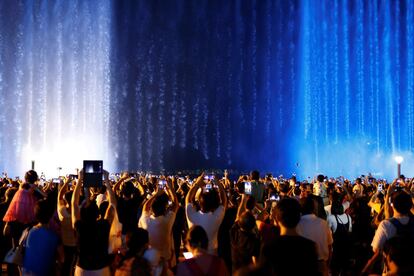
<point>21,207</point>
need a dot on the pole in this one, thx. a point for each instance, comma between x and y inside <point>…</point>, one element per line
<point>398,170</point>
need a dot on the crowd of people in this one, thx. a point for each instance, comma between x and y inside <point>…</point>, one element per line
<point>143,224</point>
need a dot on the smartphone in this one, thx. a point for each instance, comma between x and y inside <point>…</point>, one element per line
<point>248,188</point>
<point>9,185</point>
<point>73,176</point>
<point>56,180</point>
<point>188,255</point>
<point>93,173</point>
<point>161,184</point>
<point>274,197</point>
<point>208,187</point>
<point>380,187</point>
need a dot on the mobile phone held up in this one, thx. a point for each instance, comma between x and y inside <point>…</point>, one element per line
<point>161,184</point>
<point>248,188</point>
<point>93,173</point>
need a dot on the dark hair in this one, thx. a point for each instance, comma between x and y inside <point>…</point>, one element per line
<point>398,249</point>
<point>287,212</point>
<point>320,178</point>
<point>89,212</point>
<point>255,175</point>
<point>247,222</point>
<point>43,211</point>
<point>128,189</point>
<point>284,187</point>
<point>307,205</point>
<point>358,181</point>
<point>337,208</point>
<point>402,202</point>
<point>209,201</point>
<point>31,177</point>
<point>197,237</point>
<point>136,240</point>
<point>159,205</point>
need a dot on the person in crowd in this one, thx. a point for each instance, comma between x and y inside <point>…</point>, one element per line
<point>341,225</point>
<point>289,254</point>
<point>91,231</point>
<point>67,232</point>
<point>212,209</point>
<point>401,224</point>
<point>129,200</point>
<point>320,187</point>
<point>133,262</point>
<point>358,189</point>
<point>42,247</point>
<point>258,187</point>
<point>317,230</point>
<point>5,241</point>
<point>202,262</point>
<point>244,236</point>
<point>158,219</point>
<point>398,257</point>
<point>20,213</point>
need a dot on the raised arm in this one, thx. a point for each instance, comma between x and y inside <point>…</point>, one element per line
<point>61,204</point>
<point>223,195</point>
<point>75,200</point>
<point>109,215</point>
<point>171,193</point>
<point>193,190</point>
<point>242,206</point>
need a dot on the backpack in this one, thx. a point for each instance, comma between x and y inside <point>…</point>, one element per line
<point>404,231</point>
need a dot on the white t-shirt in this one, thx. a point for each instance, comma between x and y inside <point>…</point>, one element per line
<point>385,231</point>
<point>316,230</point>
<point>160,232</point>
<point>344,219</point>
<point>209,221</point>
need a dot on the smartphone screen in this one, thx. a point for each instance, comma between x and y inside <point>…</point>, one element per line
<point>188,255</point>
<point>56,180</point>
<point>161,184</point>
<point>93,170</point>
<point>248,188</point>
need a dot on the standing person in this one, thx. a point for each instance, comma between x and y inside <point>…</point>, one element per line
<point>42,244</point>
<point>341,226</point>
<point>20,213</point>
<point>158,219</point>
<point>202,263</point>
<point>320,188</point>
<point>212,209</point>
<point>317,230</point>
<point>258,188</point>
<point>401,224</point>
<point>67,232</point>
<point>289,254</point>
<point>92,232</point>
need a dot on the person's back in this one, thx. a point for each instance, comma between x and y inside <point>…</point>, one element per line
<point>40,253</point>
<point>41,243</point>
<point>245,241</point>
<point>289,254</point>
<point>295,255</point>
<point>315,229</point>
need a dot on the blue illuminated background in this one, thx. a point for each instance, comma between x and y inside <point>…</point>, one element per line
<point>283,86</point>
